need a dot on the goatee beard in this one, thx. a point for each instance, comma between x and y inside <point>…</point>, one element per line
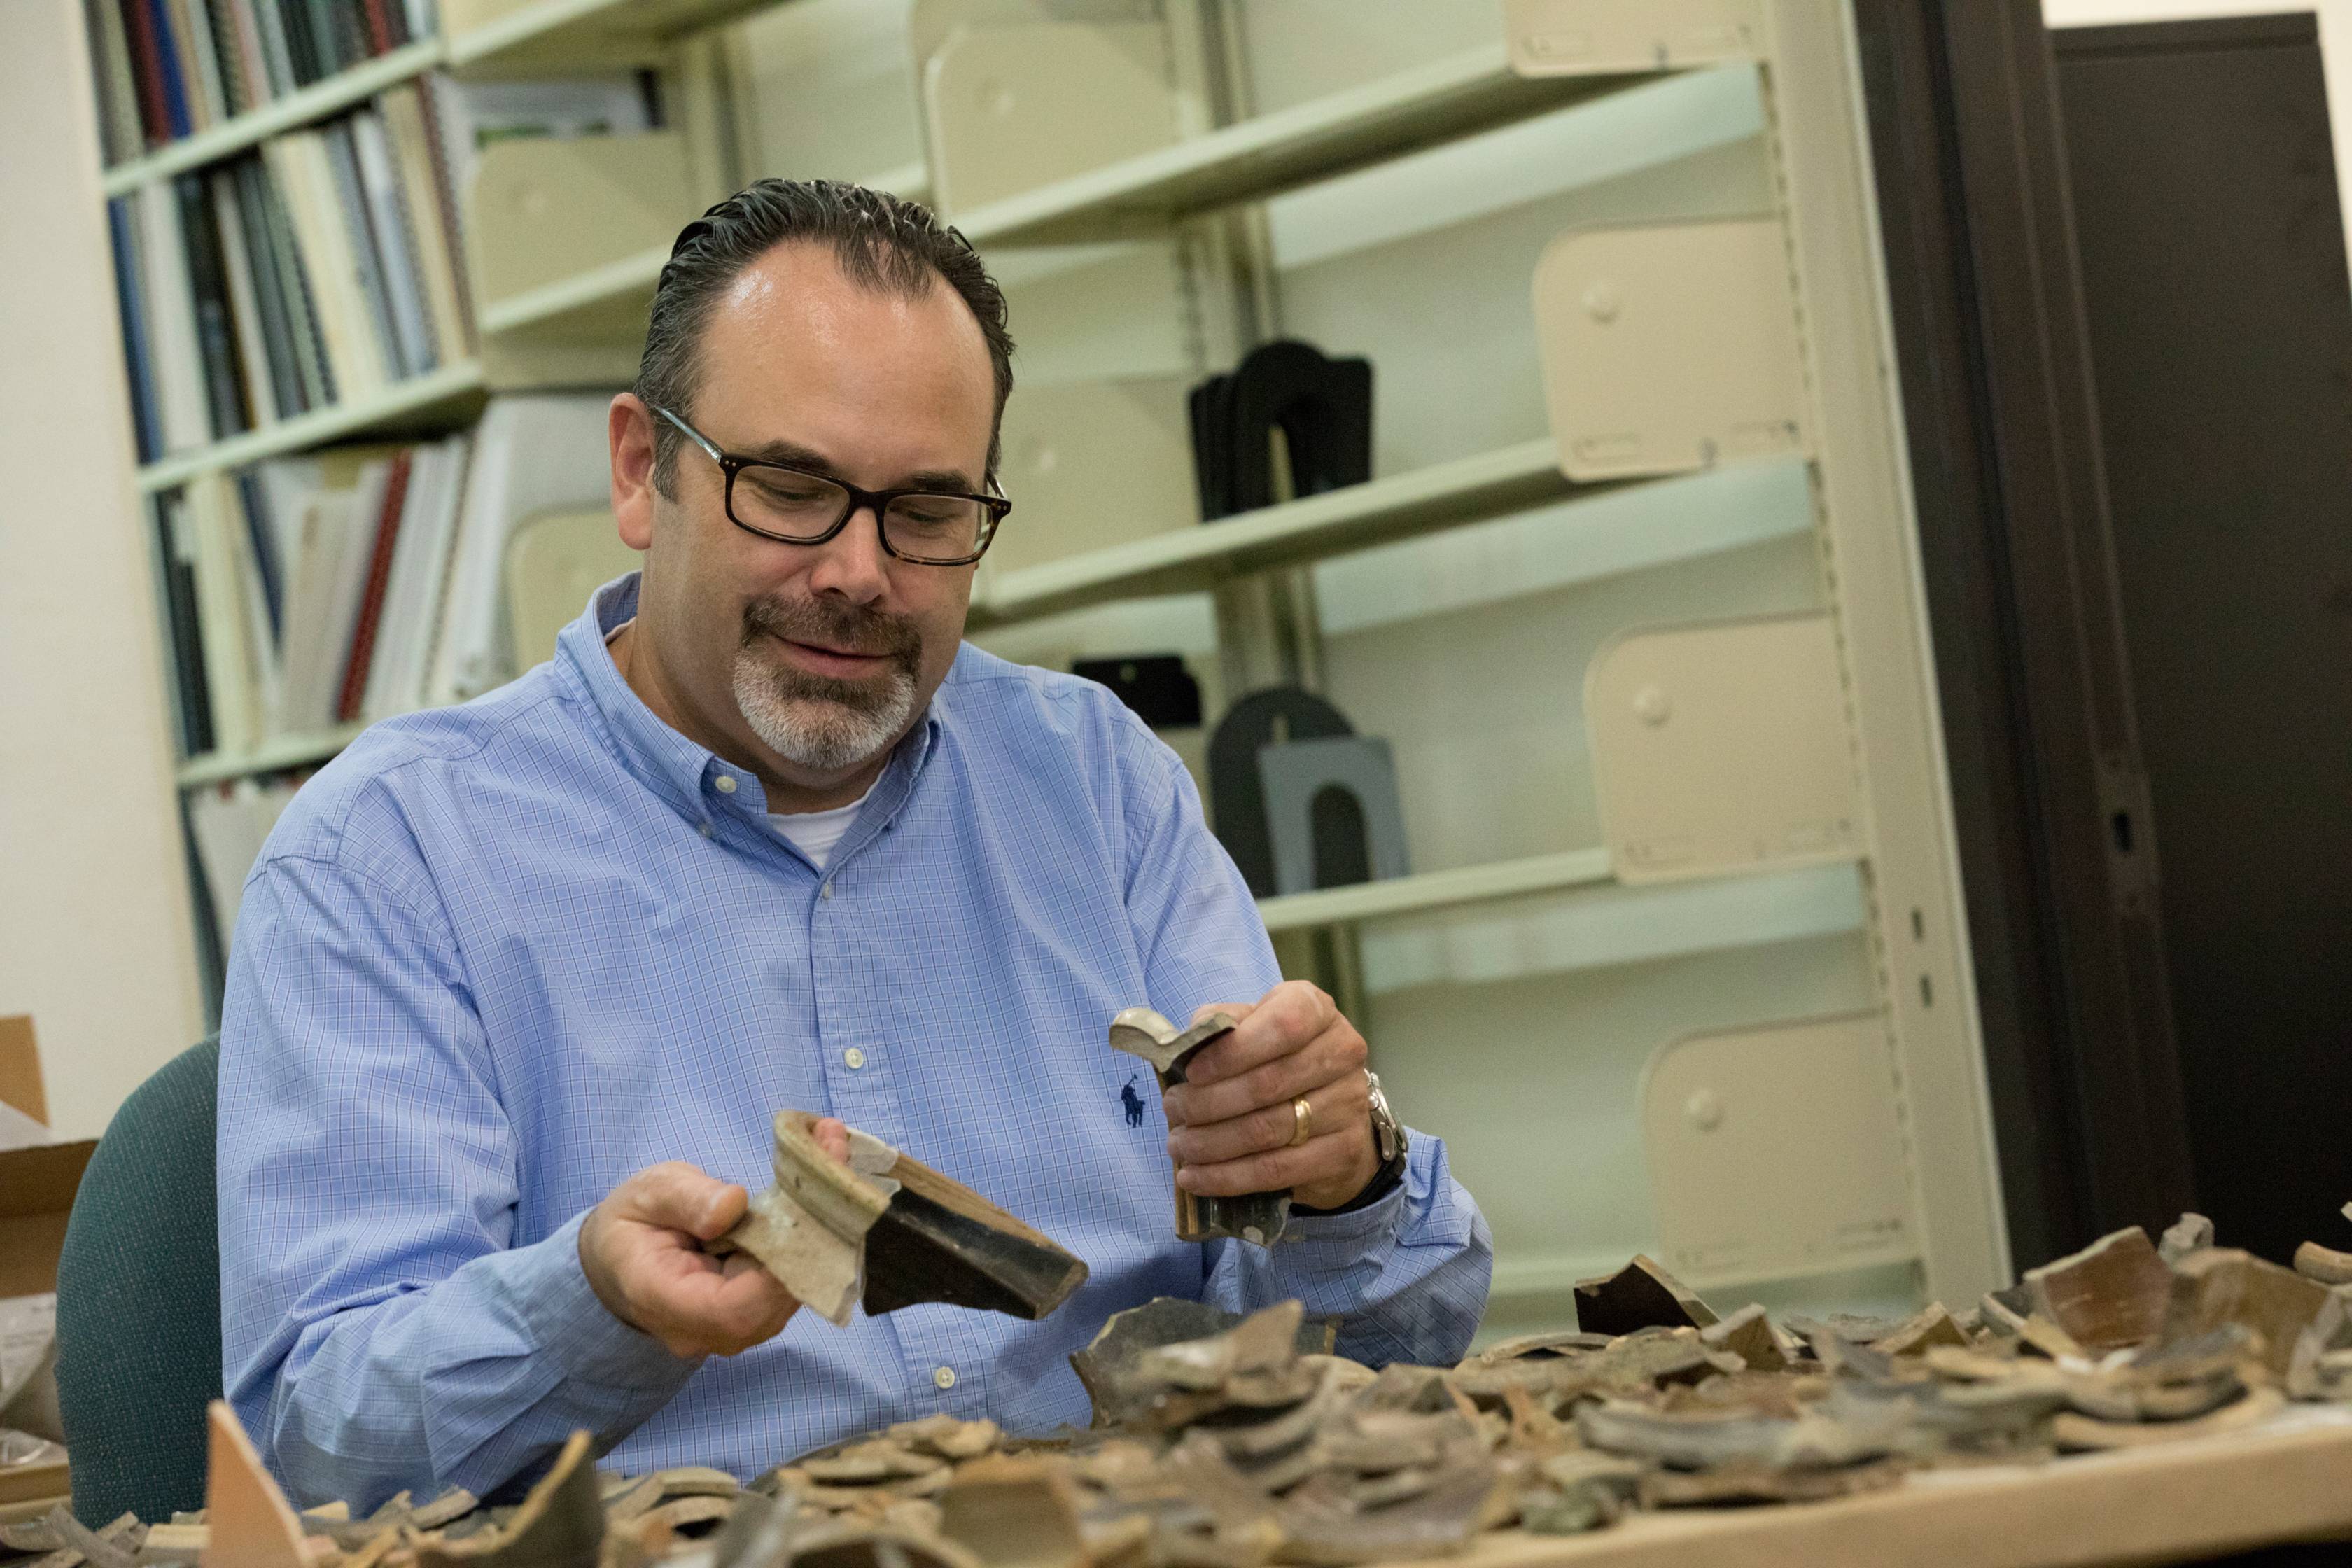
<point>816,721</point>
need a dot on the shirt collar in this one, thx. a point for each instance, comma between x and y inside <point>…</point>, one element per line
<point>685,775</point>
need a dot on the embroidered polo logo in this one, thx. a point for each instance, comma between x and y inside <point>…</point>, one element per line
<point>1134,1103</point>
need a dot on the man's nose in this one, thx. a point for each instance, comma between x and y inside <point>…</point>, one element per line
<point>853,562</point>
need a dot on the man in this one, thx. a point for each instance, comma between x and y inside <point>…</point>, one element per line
<point>517,986</point>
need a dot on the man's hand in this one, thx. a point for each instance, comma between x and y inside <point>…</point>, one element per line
<point>1230,1120</point>
<point>641,1250</point>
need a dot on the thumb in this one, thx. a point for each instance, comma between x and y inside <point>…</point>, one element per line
<point>1236,1011</point>
<point>679,1197</point>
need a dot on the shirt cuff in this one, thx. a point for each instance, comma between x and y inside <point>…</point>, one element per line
<point>561,1311</point>
<point>1321,1242</point>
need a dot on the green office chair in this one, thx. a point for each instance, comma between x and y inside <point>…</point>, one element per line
<point>139,1334</point>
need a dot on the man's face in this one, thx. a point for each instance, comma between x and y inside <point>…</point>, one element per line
<point>822,655</point>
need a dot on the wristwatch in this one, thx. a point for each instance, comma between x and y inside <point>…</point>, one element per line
<point>1390,1141</point>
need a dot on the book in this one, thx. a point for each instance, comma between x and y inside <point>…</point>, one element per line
<point>203,89</point>
<point>308,342</point>
<point>146,417</point>
<point>419,577</point>
<point>220,26</point>
<point>229,822</point>
<point>208,287</point>
<point>178,560</point>
<point>253,496</point>
<point>120,132</point>
<point>244,300</point>
<point>270,26</point>
<point>147,70</point>
<point>414,162</point>
<point>238,193</point>
<point>323,240</point>
<point>436,90</point>
<point>174,88</point>
<point>326,35</point>
<point>378,27</point>
<point>174,356</point>
<point>231,675</point>
<point>397,265</point>
<point>368,276</point>
<point>253,60</point>
<point>372,594</point>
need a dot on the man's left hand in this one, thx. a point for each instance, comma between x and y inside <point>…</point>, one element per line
<point>1232,1121</point>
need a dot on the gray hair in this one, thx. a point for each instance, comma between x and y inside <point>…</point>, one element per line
<point>882,242</point>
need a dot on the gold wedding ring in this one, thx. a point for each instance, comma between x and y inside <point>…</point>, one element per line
<point>1304,1114</point>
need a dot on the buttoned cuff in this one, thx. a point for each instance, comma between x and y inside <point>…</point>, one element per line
<point>560,1309</point>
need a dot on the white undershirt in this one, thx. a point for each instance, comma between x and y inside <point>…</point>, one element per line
<point>815,833</point>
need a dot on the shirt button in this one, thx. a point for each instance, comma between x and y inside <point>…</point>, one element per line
<point>854,1058</point>
<point>826,891</point>
<point>703,828</point>
<point>944,1377</point>
<point>726,783</point>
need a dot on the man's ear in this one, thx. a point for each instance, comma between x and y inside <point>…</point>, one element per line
<point>629,429</point>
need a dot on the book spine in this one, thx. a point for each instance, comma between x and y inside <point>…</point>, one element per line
<point>197,77</point>
<point>376,26</point>
<point>120,133</point>
<point>175,352</point>
<point>395,243</point>
<point>146,420</point>
<point>220,28</point>
<point>351,32</point>
<point>327,263</point>
<point>411,157</point>
<point>387,537</point>
<point>263,540</point>
<point>244,298</point>
<point>167,70</point>
<point>186,625</point>
<point>269,26</point>
<point>439,148</point>
<point>220,598</point>
<point>208,285</point>
<point>325,35</point>
<point>300,50</point>
<point>350,203</point>
<point>253,60</point>
<point>319,387</point>
<point>147,71</point>
<point>280,355</point>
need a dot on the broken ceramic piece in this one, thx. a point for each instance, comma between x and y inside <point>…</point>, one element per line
<point>1747,1334</point>
<point>1255,1217</point>
<point>2324,1264</point>
<point>1932,1326</point>
<point>1125,1387</point>
<point>1015,1513</point>
<point>560,1523</point>
<point>249,1522</point>
<point>886,1231</point>
<point>2083,1433</point>
<point>2189,1233</point>
<point>2223,1285</point>
<point>1642,1295</point>
<point>2111,1294</point>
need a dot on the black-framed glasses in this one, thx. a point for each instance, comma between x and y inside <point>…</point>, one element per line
<point>792,506</point>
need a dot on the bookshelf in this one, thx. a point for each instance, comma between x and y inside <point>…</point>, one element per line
<point>546,37</point>
<point>299,108</point>
<point>277,755</point>
<point>439,401</point>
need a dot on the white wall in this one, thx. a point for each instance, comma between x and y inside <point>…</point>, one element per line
<point>95,923</point>
<point>2335,45</point>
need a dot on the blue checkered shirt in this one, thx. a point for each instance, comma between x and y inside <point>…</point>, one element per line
<point>497,958</point>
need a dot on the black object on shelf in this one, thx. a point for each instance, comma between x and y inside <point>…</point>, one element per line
<point>1157,685</point>
<point>1237,787</point>
<point>1322,406</point>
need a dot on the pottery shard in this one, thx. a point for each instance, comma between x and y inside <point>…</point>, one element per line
<point>1934,1326</point>
<point>1747,1334</point>
<point>560,1523</point>
<point>2223,1285</point>
<point>1642,1295</point>
<point>2189,1233</point>
<point>1256,1218</point>
<point>2324,1264</point>
<point>886,1231</point>
<point>2111,1294</point>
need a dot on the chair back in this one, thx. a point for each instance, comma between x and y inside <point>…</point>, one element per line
<point>139,1334</point>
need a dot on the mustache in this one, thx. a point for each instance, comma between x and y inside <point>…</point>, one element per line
<point>853,628</point>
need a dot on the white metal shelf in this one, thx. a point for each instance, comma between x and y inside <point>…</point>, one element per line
<point>418,403</point>
<point>548,35</point>
<point>1271,153</point>
<point>1435,890</point>
<point>1556,1274</point>
<point>1189,560</point>
<point>616,296</point>
<point>269,757</point>
<point>316,102</point>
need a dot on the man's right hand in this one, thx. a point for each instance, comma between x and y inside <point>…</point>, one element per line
<point>642,1251</point>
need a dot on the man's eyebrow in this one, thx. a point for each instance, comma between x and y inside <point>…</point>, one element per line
<point>808,461</point>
